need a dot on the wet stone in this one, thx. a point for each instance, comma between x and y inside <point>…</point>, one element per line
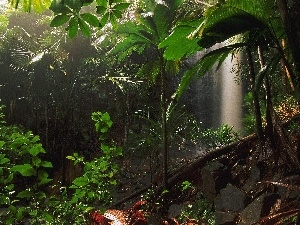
<point>230,198</point>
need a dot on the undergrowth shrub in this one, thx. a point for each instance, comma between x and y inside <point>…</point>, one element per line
<point>199,210</point>
<point>216,138</point>
<point>23,177</point>
<point>23,173</point>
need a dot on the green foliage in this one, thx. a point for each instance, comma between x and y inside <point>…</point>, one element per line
<point>199,210</point>
<point>186,185</point>
<point>216,138</point>
<point>3,23</point>
<point>94,187</point>
<point>24,176</point>
<point>70,12</point>
<point>178,44</point>
<point>27,5</point>
<point>248,118</point>
<point>23,173</point>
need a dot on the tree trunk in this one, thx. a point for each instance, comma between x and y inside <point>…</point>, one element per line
<point>269,106</point>
<point>290,25</point>
<point>164,122</point>
<point>257,112</point>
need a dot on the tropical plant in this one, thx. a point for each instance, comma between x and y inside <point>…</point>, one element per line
<point>24,178</point>
<point>220,137</point>
<point>142,36</point>
<point>199,210</point>
<point>23,174</point>
<point>245,27</point>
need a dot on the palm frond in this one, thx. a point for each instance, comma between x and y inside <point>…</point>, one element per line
<point>260,9</point>
<point>223,22</point>
<point>134,39</point>
<point>204,65</point>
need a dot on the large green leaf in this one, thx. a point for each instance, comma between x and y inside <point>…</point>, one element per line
<point>59,20</point>
<point>178,44</point>
<point>25,194</point>
<point>90,19</point>
<point>73,27</point>
<point>121,6</point>
<point>36,149</point>
<point>84,27</point>
<point>163,18</point>
<point>80,181</point>
<point>25,169</point>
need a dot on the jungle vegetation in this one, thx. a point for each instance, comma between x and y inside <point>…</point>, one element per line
<point>89,86</point>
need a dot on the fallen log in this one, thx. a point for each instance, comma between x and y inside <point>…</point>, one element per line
<point>243,146</point>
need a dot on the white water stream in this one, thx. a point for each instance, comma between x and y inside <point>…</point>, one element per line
<point>217,97</point>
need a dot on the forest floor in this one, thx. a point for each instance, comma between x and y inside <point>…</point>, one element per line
<point>243,183</point>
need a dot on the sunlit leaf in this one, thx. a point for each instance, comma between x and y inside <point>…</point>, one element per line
<point>25,169</point>
<point>46,164</point>
<point>113,20</point>
<point>102,2</point>
<point>178,44</point>
<point>2,143</point>
<point>104,19</point>
<point>90,19</point>
<point>163,21</point>
<point>36,149</point>
<point>261,9</point>
<point>80,181</point>
<point>84,27</point>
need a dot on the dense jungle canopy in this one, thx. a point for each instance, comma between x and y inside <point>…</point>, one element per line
<point>97,111</point>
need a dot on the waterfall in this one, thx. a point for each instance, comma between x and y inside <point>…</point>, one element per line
<point>231,94</point>
<point>217,97</point>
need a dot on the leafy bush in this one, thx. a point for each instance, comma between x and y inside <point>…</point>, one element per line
<point>200,210</point>
<point>23,173</point>
<point>23,176</point>
<point>216,138</point>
